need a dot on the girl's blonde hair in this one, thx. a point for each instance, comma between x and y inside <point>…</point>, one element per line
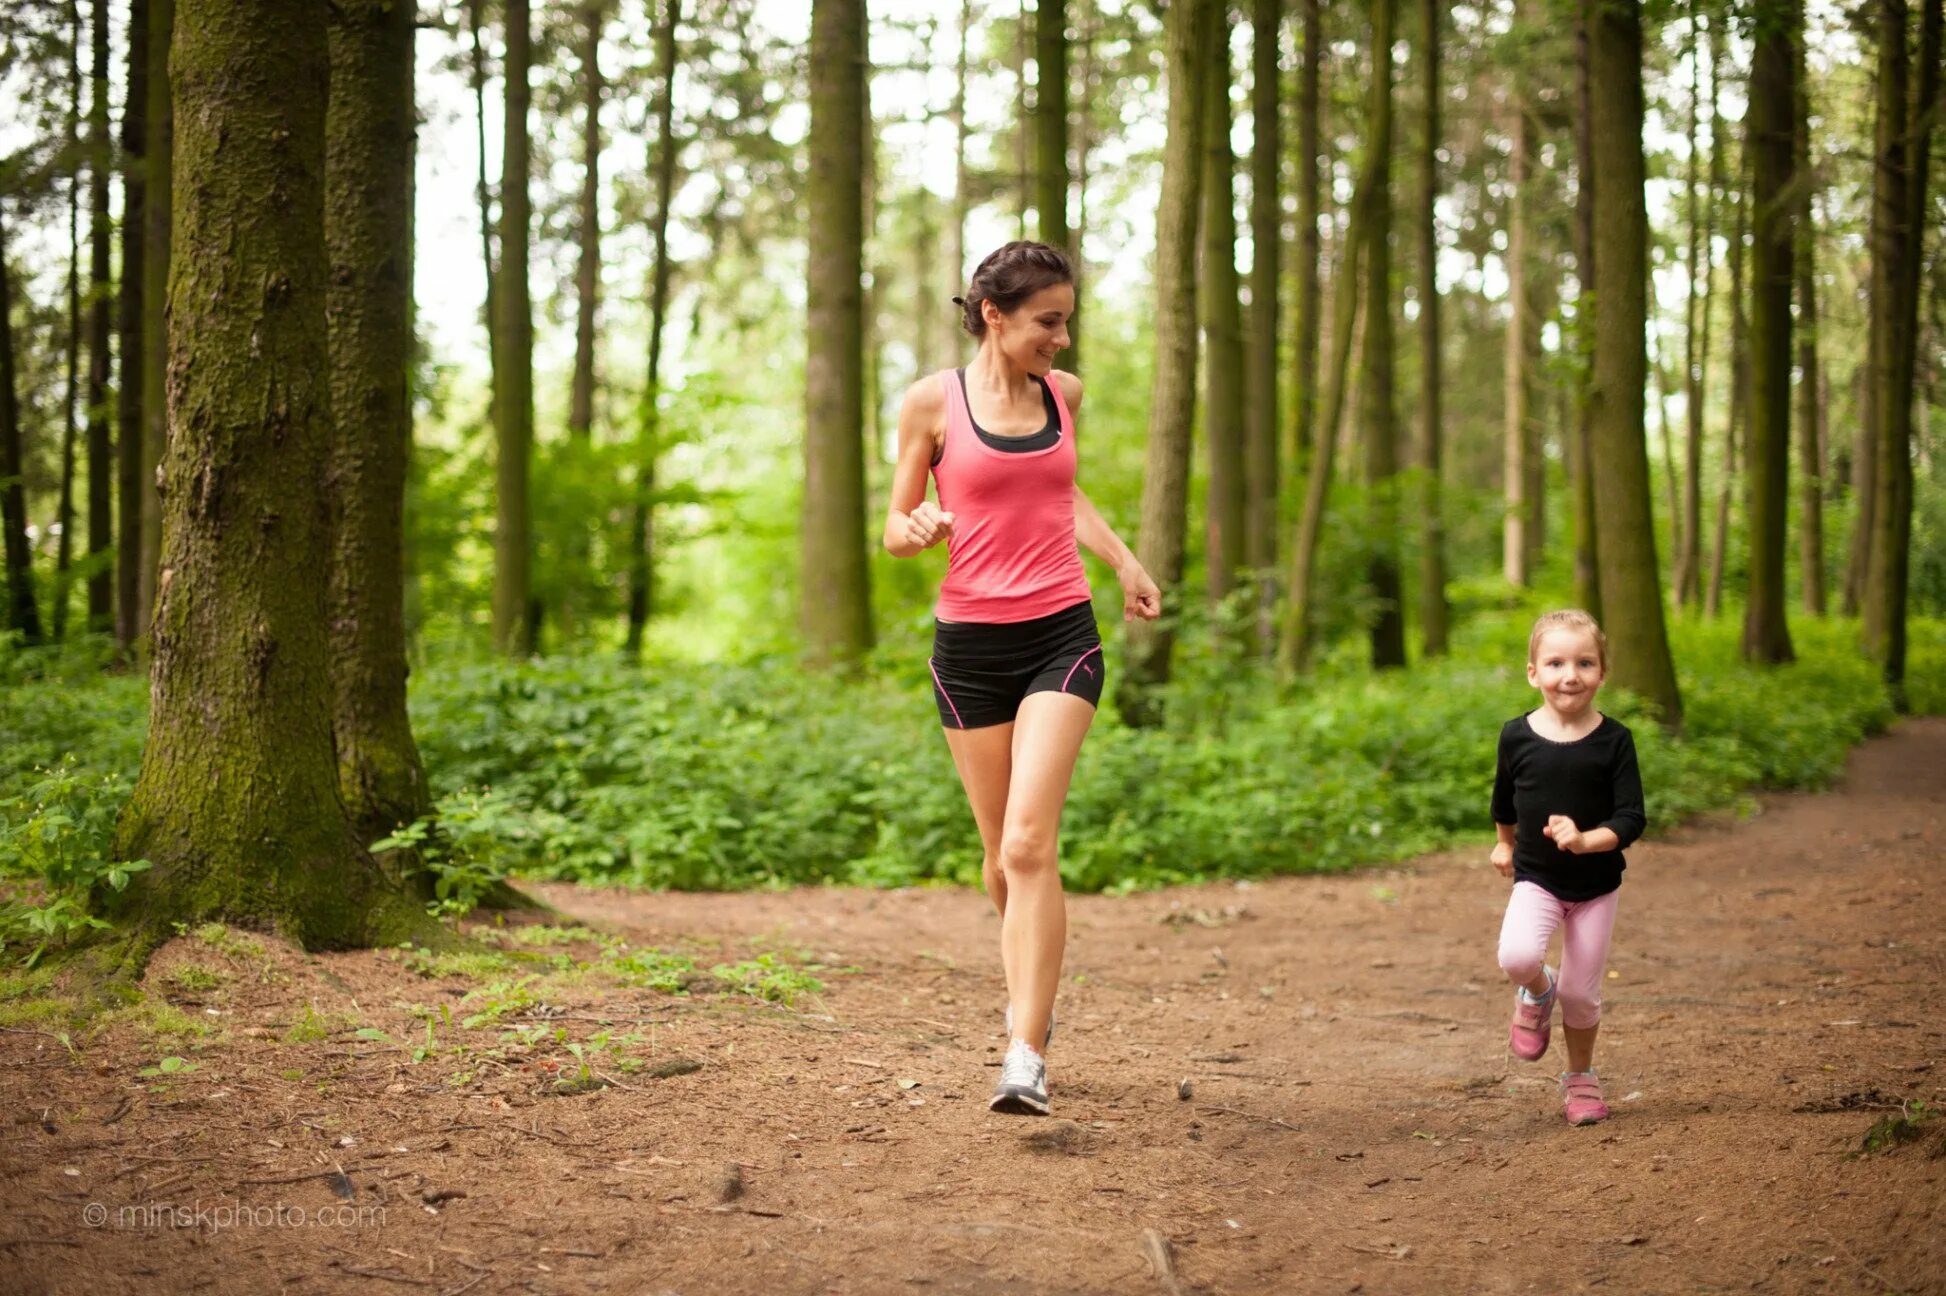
<point>1568,619</point>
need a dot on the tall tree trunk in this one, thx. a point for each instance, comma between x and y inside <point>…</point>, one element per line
<point>1260,468</point>
<point>1523,338</point>
<point>64,551</point>
<point>1810,458</point>
<point>959,274</point>
<point>1630,585</point>
<point>237,805</point>
<point>513,340</point>
<point>1581,460</point>
<point>1051,129</point>
<point>641,575</point>
<point>1702,239</point>
<point>587,277</point>
<point>158,154</point>
<point>1773,97</point>
<point>1377,416</point>
<point>368,300</point>
<point>1432,532</point>
<point>130,624</point>
<point>1222,323</point>
<point>836,587</point>
<point>23,612</point>
<point>1659,381</point>
<point>1733,427</point>
<point>1898,233</point>
<point>483,192</point>
<point>1023,172</point>
<point>1308,240</point>
<point>1165,481</point>
<point>101,291</point>
<point>1089,80</point>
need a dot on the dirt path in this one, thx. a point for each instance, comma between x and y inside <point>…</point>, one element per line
<point>1356,1123</point>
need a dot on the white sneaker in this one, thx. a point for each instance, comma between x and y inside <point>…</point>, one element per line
<point>1023,1082</point>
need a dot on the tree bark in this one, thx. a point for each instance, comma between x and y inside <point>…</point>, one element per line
<point>1733,428</point>
<point>1773,96</point>
<point>1377,414</point>
<point>130,623</point>
<point>237,803</point>
<point>158,203</point>
<point>23,611</point>
<point>64,548</point>
<point>513,340</point>
<point>958,276</point>
<point>101,291</point>
<point>1165,481</point>
<point>1702,238</point>
<point>1432,534</point>
<point>1810,458</point>
<point>1581,470</point>
<point>1261,468</point>
<point>1308,240</point>
<point>641,577</point>
<point>1223,409</point>
<point>587,278</point>
<point>368,233</point>
<point>1523,338</point>
<point>1630,585</point>
<point>1051,131</point>
<point>484,193</point>
<point>836,587</point>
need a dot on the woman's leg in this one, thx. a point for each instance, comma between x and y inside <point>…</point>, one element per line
<point>1585,932</point>
<point>985,761</point>
<point>1034,924</point>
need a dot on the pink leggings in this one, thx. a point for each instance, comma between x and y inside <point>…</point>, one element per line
<point>1533,913</point>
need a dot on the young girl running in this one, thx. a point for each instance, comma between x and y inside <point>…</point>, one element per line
<point>1017,663</point>
<point>1567,799</point>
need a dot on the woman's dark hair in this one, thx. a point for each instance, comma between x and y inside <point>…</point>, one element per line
<point>1010,275</point>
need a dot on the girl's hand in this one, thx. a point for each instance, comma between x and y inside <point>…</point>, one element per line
<point>1503,859</point>
<point>927,525</point>
<point>1562,832</point>
<point>1140,597</point>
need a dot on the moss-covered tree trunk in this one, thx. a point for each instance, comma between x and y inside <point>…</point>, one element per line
<point>237,804</point>
<point>836,612</point>
<point>1899,227</point>
<point>1630,587</point>
<point>1260,466</point>
<point>1172,399</point>
<point>101,292</point>
<point>1223,407</point>
<point>513,341</point>
<point>1432,531</point>
<point>1580,436</point>
<point>1377,410</point>
<point>22,611</point>
<point>368,232</point>
<point>129,627</point>
<point>158,159</point>
<point>641,573</point>
<point>1773,95</point>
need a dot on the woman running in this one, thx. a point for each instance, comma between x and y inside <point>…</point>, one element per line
<point>1017,665</point>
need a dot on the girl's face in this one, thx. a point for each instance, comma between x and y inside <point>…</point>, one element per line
<point>1567,670</point>
<point>1036,331</point>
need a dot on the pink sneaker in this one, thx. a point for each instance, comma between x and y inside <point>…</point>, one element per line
<point>1581,1098</point>
<point>1533,1023</point>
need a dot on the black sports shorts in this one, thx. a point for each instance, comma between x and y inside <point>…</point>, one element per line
<point>981,672</point>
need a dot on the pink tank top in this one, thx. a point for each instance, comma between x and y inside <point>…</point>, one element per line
<point>1012,555</point>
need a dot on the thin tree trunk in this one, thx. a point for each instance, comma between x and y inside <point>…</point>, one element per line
<point>1773,97</point>
<point>1898,251</point>
<point>1658,376</point>
<point>1377,415</point>
<point>101,291</point>
<point>1733,428</point>
<point>1089,79</point>
<point>1523,338</point>
<point>1580,434</point>
<point>369,126</point>
<point>158,203</point>
<point>1222,325</point>
<point>1308,240</point>
<point>955,343</point>
<point>237,803</point>
<point>1432,537</point>
<point>23,612</point>
<point>130,624</point>
<point>1051,128</point>
<point>1165,481</point>
<point>836,590</point>
<point>1266,240</point>
<point>513,338</point>
<point>1023,174</point>
<point>587,278</point>
<point>1630,586</point>
<point>484,193</point>
<point>1689,556</point>
<point>1810,459</point>
<point>64,548</point>
<point>641,577</point>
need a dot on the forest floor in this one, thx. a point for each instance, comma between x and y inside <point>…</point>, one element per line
<point>1354,1122</point>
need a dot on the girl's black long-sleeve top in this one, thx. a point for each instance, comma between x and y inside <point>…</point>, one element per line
<point>1592,780</point>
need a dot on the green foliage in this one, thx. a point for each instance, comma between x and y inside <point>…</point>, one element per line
<point>55,832</point>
